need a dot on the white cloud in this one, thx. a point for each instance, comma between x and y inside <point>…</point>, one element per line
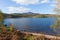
<point>18,9</point>
<point>27,2</point>
<point>44,1</point>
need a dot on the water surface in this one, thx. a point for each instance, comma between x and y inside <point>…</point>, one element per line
<point>32,24</point>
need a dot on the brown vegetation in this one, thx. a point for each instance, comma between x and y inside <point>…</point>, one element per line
<point>17,35</point>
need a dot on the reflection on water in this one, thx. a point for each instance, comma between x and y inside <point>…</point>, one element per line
<point>32,24</point>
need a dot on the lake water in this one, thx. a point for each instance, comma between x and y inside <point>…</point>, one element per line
<point>41,25</point>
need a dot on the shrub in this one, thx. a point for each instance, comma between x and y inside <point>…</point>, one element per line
<point>11,28</point>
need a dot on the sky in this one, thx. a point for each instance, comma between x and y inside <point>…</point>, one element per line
<point>21,6</point>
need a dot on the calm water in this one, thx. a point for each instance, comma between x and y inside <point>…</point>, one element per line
<point>32,24</point>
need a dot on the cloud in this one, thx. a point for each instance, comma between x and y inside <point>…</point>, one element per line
<point>18,9</point>
<point>28,2</point>
<point>44,1</point>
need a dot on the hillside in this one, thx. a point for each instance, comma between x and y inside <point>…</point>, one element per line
<point>28,14</point>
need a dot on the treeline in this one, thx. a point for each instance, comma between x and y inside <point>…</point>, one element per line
<point>29,15</point>
<point>26,15</point>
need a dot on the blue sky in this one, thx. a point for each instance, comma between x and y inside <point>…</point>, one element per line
<point>20,6</point>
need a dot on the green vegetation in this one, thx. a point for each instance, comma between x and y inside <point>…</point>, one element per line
<point>1,18</point>
<point>57,10</point>
<point>55,25</point>
<point>26,15</point>
<point>2,27</point>
<point>7,29</point>
<point>28,38</point>
<point>10,28</point>
<point>40,16</point>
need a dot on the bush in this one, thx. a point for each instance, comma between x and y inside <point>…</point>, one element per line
<point>3,29</point>
<point>11,28</point>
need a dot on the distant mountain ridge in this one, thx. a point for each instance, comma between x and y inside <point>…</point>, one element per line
<point>30,15</point>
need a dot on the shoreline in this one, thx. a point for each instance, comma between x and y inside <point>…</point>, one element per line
<point>40,34</point>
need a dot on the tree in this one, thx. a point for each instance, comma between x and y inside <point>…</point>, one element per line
<point>57,10</point>
<point>1,18</point>
<point>57,7</point>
